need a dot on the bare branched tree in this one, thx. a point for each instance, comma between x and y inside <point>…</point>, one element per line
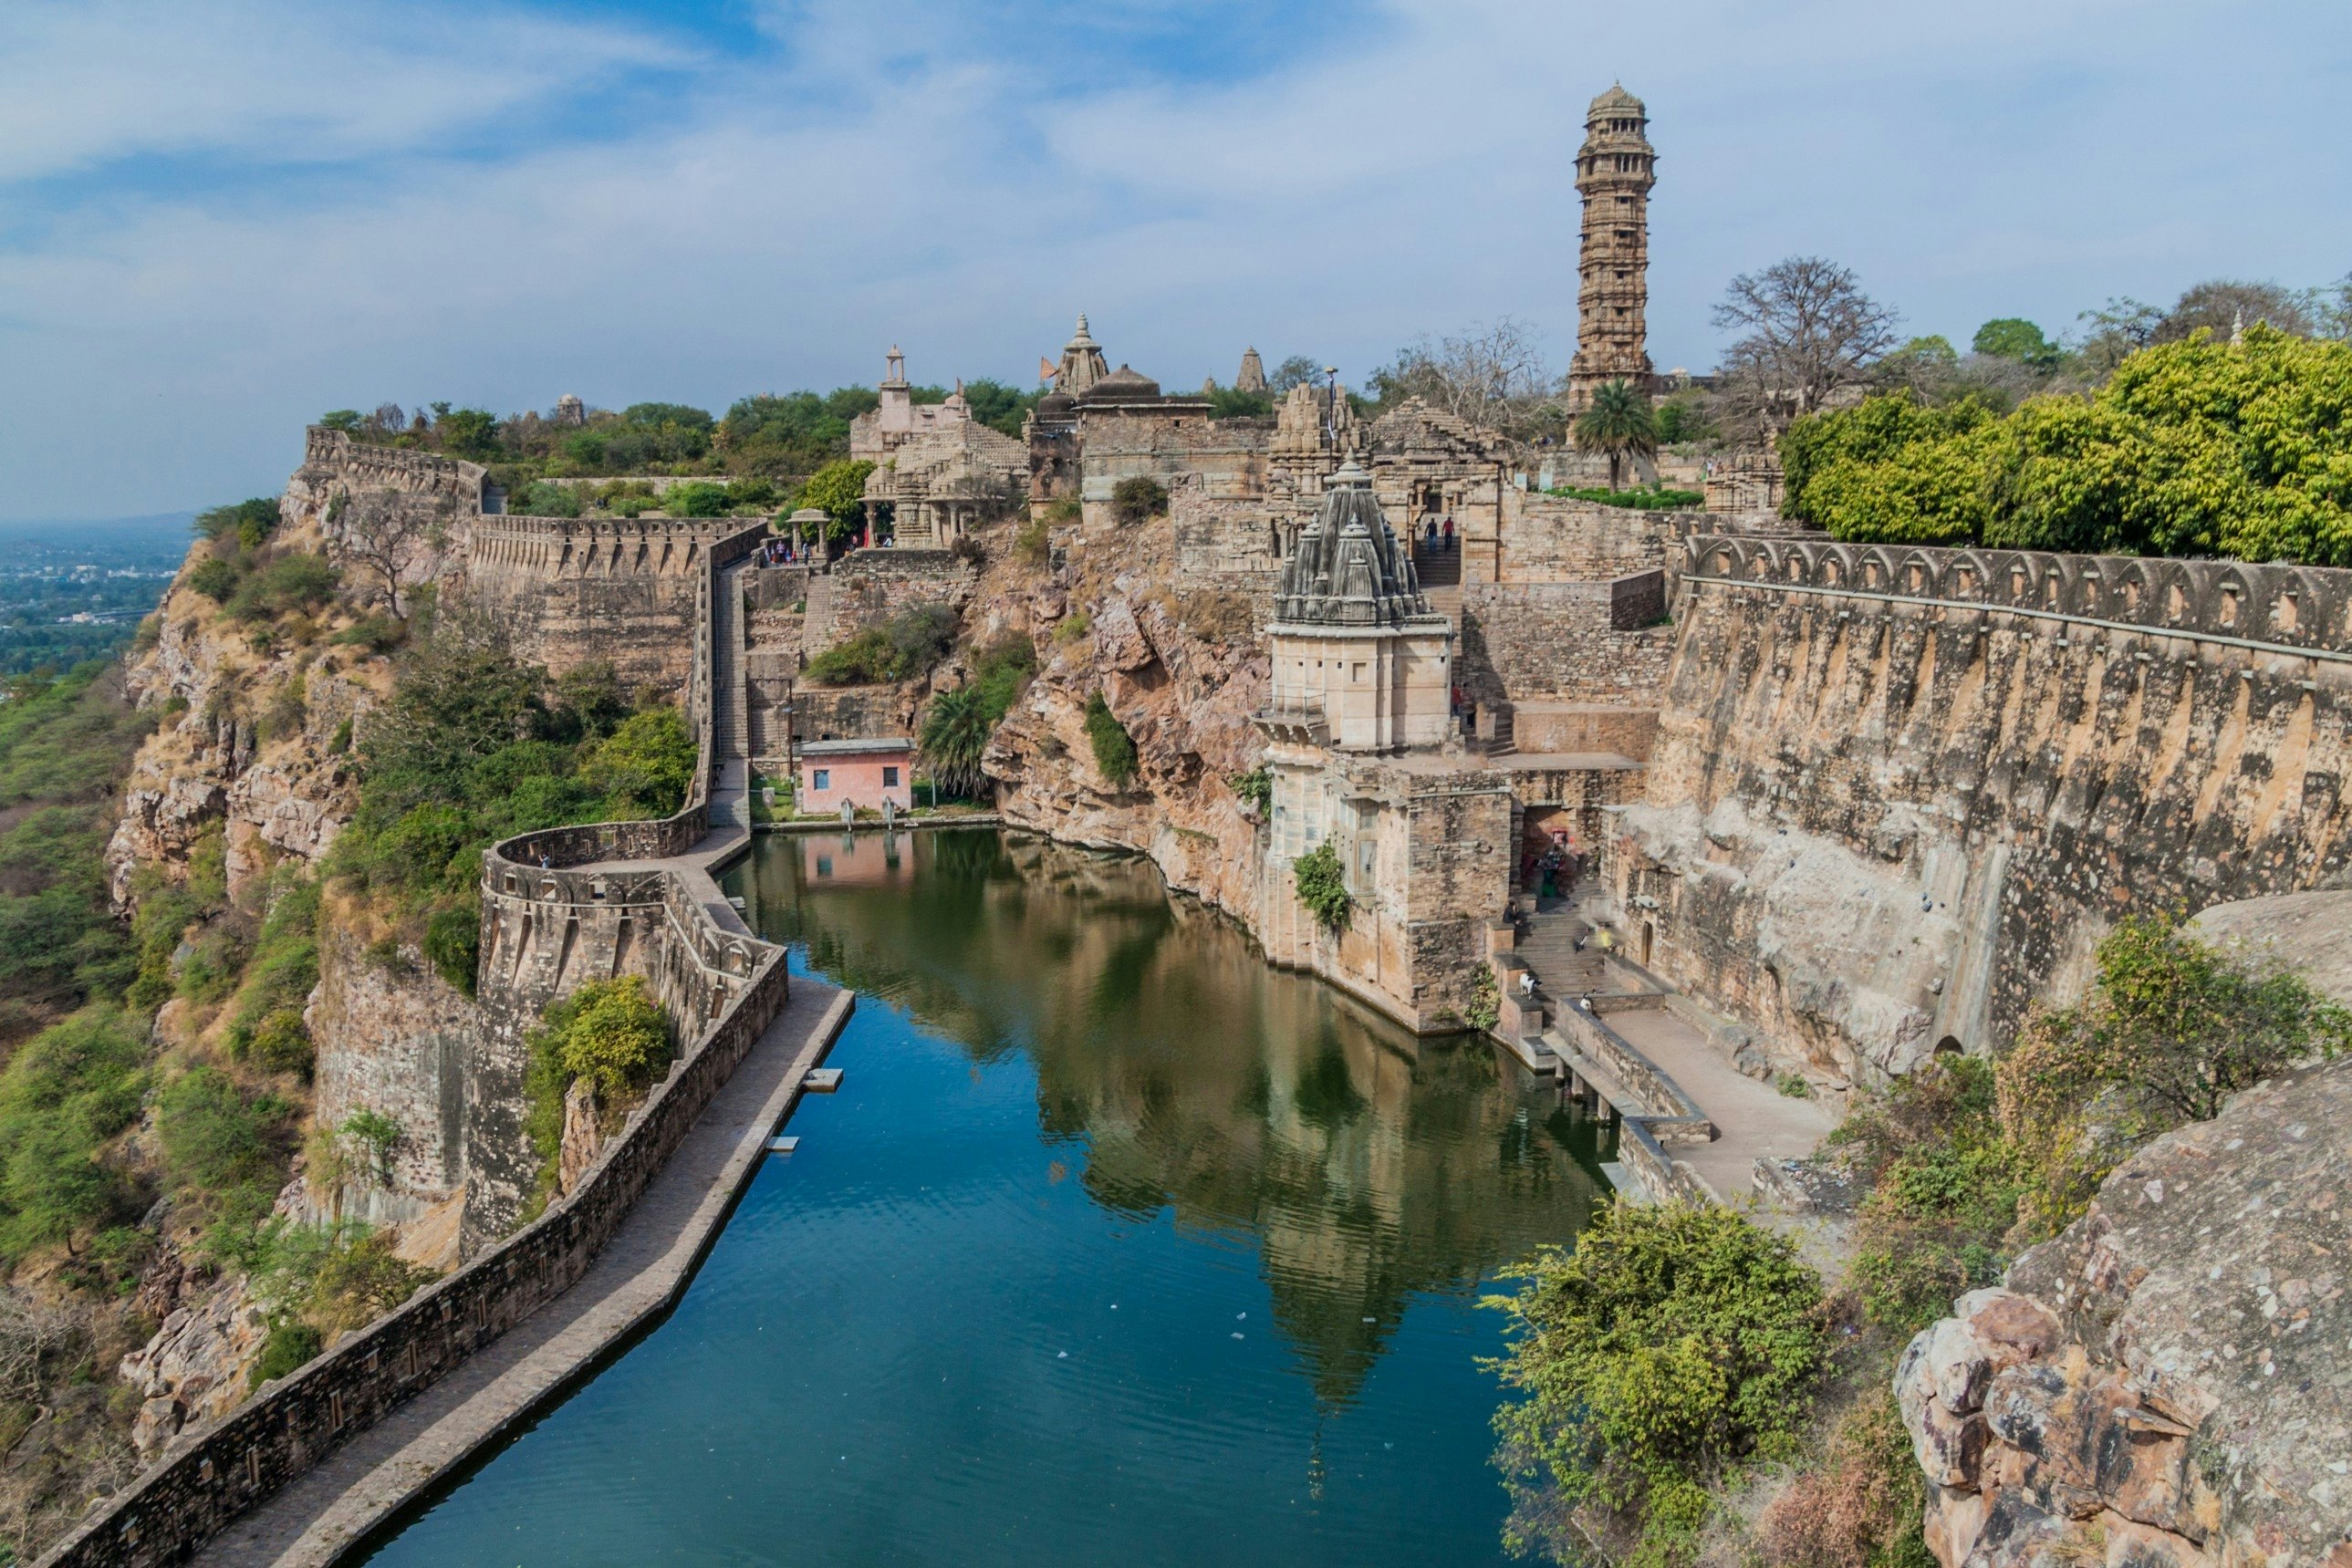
<point>1492,375</point>
<point>393,538</point>
<point>1808,334</point>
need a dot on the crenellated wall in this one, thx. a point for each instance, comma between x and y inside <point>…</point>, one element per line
<point>578,589</point>
<point>1898,794</point>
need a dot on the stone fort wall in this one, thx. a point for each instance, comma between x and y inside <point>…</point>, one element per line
<point>724,988</point>
<point>1899,794</point>
<point>575,591</point>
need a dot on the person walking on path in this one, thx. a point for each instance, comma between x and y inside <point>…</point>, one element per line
<point>1449,533</point>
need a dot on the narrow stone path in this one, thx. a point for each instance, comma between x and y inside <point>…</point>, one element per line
<point>1756,1121</point>
<point>640,1274</point>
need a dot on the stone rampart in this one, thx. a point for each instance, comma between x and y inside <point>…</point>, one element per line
<point>724,985</point>
<point>1898,794</point>
<point>1227,543</point>
<point>575,591</point>
<point>330,458</point>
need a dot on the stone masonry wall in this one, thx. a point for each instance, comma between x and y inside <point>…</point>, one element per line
<point>1225,543</point>
<point>1899,794</point>
<point>1558,642</point>
<point>575,589</point>
<point>867,587</point>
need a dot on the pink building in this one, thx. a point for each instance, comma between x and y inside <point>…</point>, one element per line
<point>863,772</point>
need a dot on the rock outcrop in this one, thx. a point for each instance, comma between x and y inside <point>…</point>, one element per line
<point>2169,1384</point>
<point>196,1366</point>
<point>1182,674</point>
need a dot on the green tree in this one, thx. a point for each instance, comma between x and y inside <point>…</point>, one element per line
<point>343,419</point>
<point>954,739</point>
<point>646,766</point>
<point>2011,337</point>
<point>467,431</point>
<point>1675,1345</point>
<point>1619,423</point>
<point>838,490</point>
<point>613,1032</point>
<point>998,406</point>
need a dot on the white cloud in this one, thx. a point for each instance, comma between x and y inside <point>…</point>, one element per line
<point>83,83</point>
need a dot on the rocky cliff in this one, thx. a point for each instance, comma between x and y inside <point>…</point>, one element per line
<point>1182,672</point>
<point>2169,1384</point>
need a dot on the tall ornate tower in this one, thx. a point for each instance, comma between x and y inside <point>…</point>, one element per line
<point>1615,169</point>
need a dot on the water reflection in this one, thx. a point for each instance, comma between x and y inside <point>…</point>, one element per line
<point>1176,1070</point>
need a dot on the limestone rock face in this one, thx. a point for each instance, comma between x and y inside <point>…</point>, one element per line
<point>1185,696</point>
<point>196,1366</point>
<point>2168,1382</point>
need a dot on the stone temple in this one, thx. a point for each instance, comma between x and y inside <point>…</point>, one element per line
<point>1615,169</point>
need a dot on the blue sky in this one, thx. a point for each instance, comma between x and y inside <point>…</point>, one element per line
<point>218,219</point>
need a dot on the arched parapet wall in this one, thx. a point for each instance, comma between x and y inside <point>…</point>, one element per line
<point>2295,609</point>
<point>1899,792</point>
<point>331,458</point>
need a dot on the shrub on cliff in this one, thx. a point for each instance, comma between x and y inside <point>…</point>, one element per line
<point>453,944</point>
<point>1114,749</point>
<point>838,490</point>
<point>63,1093</point>
<point>2197,447</point>
<point>246,524</point>
<point>905,647</point>
<point>1322,883</point>
<point>1675,1345</point>
<point>2173,1027</point>
<point>611,1032</point>
<point>1138,500</point>
<point>645,767</point>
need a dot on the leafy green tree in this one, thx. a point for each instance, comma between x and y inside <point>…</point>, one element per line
<point>467,431</point>
<point>1673,1346</point>
<point>1619,422</point>
<point>1296,371</point>
<point>247,523</point>
<point>1226,402</point>
<point>646,766</point>
<point>2011,337</point>
<point>614,1032</point>
<point>838,490</point>
<point>2195,447</point>
<point>699,499</point>
<point>343,419</point>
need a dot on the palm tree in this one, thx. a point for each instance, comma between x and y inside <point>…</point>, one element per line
<point>1620,422</point>
<point>955,737</point>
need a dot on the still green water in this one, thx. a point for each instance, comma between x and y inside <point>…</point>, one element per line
<point>1116,1247</point>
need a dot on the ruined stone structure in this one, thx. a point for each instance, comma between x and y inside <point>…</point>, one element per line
<point>941,482</point>
<point>881,431</point>
<point>1898,794</point>
<point>1615,169</point>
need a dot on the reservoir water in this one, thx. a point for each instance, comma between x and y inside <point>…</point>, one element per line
<point>1117,1247</point>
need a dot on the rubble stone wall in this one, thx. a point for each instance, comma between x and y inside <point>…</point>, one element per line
<point>867,587</point>
<point>1898,794</point>
<point>1531,641</point>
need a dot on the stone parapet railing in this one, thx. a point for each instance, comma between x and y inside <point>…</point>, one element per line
<point>2300,611</point>
<point>590,547</point>
<point>395,467</point>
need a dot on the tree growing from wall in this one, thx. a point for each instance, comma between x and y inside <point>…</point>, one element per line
<point>1322,885</point>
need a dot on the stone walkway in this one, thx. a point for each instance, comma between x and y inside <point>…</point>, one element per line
<point>640,1275</point>
<point>1755,1120</point>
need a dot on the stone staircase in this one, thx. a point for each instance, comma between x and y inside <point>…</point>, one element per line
<point>1440,573</point>
<point>1549,948</point>
<point>730,722</point>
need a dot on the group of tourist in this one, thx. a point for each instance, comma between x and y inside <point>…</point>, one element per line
<point>1436,540</point>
